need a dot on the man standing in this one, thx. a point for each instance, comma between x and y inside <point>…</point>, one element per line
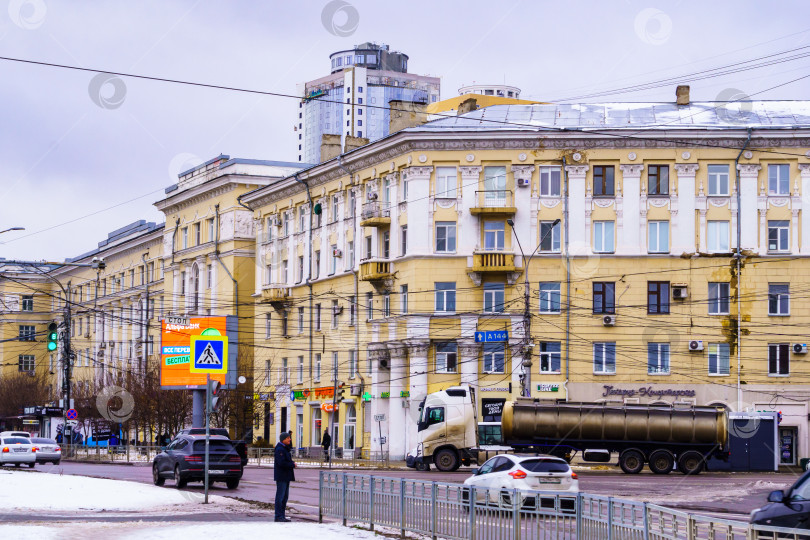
<point>283,474</point>
<point>326,442</point>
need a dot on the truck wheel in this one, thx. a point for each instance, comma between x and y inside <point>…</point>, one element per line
<point>662,462</point>
<point>631,461</point>
<point>446,460</point>
<point>422,466</point>
<point>691,462</point>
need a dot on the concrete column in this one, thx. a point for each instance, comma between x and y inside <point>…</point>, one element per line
<point>396,403</point>
<point>684,240</point>
<point>628,241</point>
<point>703,231</point>
<point>576,207</point>
<point>804,169</point>
<point>763,227</point>
<point>469,361</point>
<point>748,205</point>
<point>378,352</point>
<point>420,228</point>
<point>418,384</point>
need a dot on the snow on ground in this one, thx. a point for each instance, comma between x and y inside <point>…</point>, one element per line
<point>173,531</point>
<point>36,492</point>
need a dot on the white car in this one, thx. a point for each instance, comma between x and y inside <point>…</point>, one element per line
<point>48,450</point>
<point>15,434</point>
<point>498,476</point>
<point>17,450</point>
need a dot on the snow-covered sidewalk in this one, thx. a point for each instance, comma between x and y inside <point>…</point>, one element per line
<point>33,492</point>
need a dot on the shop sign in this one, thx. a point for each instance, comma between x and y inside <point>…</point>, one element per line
<point>548,387</point>
<point>328,407</point>
<point>494,389</point>
<point>30,422</point>
<point>493,408</point>
<point>646,391</point>
<point>299,395</point>
<point>385,395</point>
<point>325,392</point>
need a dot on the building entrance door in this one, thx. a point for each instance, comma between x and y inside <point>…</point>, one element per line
<point>787,445</point>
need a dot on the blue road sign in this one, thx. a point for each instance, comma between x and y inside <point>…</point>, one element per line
<point>209,354</point>
<point>492,336</point>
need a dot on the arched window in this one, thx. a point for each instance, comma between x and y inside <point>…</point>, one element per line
<point>195,287</point>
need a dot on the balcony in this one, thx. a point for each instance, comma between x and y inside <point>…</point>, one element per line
<point>275,293</point>
<point>375,214</point>
<point>491,262</point>
<point>494,202</point>
<point>375,270</point>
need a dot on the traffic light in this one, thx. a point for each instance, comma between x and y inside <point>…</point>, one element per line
<point>340,392</point>
<point>213,399</point>
<point>53,337</point>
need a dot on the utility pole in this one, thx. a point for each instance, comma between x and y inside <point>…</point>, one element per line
<point>67,367</point>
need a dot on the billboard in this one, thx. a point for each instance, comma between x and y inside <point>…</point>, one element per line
<point>175,351</point>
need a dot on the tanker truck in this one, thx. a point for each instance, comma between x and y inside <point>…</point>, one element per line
<point>661,436</point>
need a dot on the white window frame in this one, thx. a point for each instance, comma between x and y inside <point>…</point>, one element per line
<point>497,231</point>
<point>716,290</point>
<point>604,236</point>
<point>448,227</point>
<point>549,356</point>
<point>777,185</point>
<point>782,296</point>
<point>716,180</point>
<point>717,236</point>
<point>547,299</point>
<point>782,228</point>
<point>403,299</point>
<point>490,358</point>
<point>719,352</point>
<point>660,353</point>
<point>446,182</point>
<point>547,181</point>
<point>442,359</point>
<point>655,247</point>
<point>600,357</point>
<point>555,237</point>
<point>317,370</point>
<point>442,298</point>
<point>491,304</point>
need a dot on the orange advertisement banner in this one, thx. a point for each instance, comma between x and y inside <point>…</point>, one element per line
<point>175,345</point>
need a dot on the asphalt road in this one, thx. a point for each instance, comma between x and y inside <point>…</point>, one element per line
<point>730,495</point>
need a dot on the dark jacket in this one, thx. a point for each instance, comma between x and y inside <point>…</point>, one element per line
<point>326,442</point>
<point>283,466</point>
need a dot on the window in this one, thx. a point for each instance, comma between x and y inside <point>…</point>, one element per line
<point>493,297</point>
<point>318,317</point>
<point>495,187</point>
<point>368,247</point>
<point>386,244</point>
<point>369,305</point>
<point>603,182</point>
<point>334,369</point>
<point>549,297</point>
<point>386,304</point>
<point>300,268</point>
<point>658,180</point>
<point>779,359</point>
<point>446,182</point>
<point>494,235</point>
<point>335,206</point>
<point>718,298</point>
<point>603,237</point>
<point>353,364</point>
<point>778,299</point>
<point>550,356</point>
<point>284,266</point>
<point>28,332</point>
<point>403,299</point>
<point>550,236</point>
<point>197,234</point>
<point>604,297</point>
<point>267,326</point>
<point>350,256</point>
<point>283,376</point>
<point>657,297</point>
<point>718,180</point>
<point>285,220</point>
<point>333,260</point>
<point>300,320</point>
<point>658,237</point>
<point>284,324</point>
<point>446,296</point>
<point>211,232</point>
<point>658,358</point>
<point>719,358</point>
<point>352,310</point>
<point>550,181</point>
<point>405,190</point>
<point>445,237</point>
<point>352,203</point>
<point>403,245</point>
<point>185,237</point>
<point>316,265</point>
<point>718,236</point>
<point>25,362</point>
<point>778,235</point>
<point>300,369</point>
<point>28,303</point>
<point>779,179</point>
<point>446,356</point>
<point>335,314</point>
<point>302,219</point>
<point>604,358</point>
<point>317,374</point>
<point>494,355</point>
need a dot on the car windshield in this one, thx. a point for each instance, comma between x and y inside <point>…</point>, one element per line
<point>544,465</point>
<point>16,440</point>
<point>214,446</point>
<point>802,491</point>
<point>43,441</point>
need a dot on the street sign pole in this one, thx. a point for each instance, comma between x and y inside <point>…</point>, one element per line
<point>207,428</point>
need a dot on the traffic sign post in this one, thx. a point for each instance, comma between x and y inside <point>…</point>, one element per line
<point>72,414</point>
<point>497,336</point>
<point>209,355</point>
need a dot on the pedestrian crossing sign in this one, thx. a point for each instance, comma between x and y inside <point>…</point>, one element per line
<point>209,354</point>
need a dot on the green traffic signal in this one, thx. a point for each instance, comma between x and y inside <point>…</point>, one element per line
<point>53,337</point>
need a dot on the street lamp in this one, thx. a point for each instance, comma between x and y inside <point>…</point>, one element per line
<point>13,229</point>
<point>526,371</point>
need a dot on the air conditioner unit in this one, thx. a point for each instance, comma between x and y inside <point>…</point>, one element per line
<point>609,320</point>
<point>800,348</point>
<point>355,390</point>
<point>337,253</point>
<point>337,310</point>
<point>524,182</point>
<point>277,221</point>
<point>680,292</point>
<point>384,363</point>
<point>696,345</point>
<point>372,195</point>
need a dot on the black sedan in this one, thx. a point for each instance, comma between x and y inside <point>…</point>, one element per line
<point>789,508</point>
<point>184,461</point>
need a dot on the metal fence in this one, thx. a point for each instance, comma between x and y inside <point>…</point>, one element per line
<point>458,512</point>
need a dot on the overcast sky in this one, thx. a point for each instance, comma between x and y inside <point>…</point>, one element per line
<point>79,158</point>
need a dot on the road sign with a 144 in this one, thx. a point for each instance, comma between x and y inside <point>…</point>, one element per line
<point>492,336</point>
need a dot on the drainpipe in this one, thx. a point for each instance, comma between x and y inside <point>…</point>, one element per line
<point>309,282</point>
<point>567,280</point>
<point>738,257</point>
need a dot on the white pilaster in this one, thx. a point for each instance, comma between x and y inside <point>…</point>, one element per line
<point>684,240</point>
<point>418,383</point>
<point>804,169</point>
<point>522,201</point>
<point>469,226</point>
<point>420,227</point>
<point>629,225</point>
<point>396,403</point>
<point>576,206</point>
<point>748,205</point>
<point>469,359</point>
<point>379,384</point>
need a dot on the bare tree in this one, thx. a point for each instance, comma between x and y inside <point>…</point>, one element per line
<point>22,389</point>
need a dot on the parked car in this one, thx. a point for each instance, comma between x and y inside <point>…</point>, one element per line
<point>789,508</point>
<point>48,450</point>
<point>16,451</point>
<point>184,461</point>
<point>241,446</point>
<point>15,434</point>
<point>499,475</point>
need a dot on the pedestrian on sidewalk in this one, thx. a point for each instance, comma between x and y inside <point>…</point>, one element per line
<point>326,442</point>
<point>283,474</point>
